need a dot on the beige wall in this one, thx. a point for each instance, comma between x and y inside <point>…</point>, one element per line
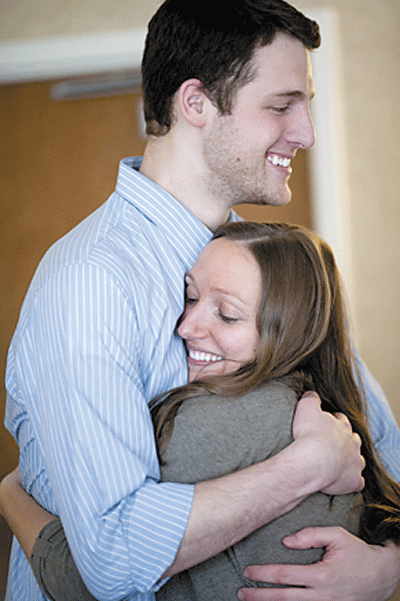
<point>36,18</point>
<point>371,86</point>
<point>371,76</point>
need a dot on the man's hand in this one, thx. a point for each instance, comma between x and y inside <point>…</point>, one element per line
<point>350,570</point>
<point>334,448</point>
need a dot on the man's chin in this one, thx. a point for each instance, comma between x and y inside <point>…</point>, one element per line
<point>270,199</point>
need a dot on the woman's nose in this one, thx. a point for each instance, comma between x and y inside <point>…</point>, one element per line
<point>192,324</point>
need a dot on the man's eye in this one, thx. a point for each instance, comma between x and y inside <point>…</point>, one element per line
<point>280,109</point>
<point>190,301</point>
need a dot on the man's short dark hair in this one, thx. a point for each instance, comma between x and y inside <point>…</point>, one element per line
<point>213,42</point>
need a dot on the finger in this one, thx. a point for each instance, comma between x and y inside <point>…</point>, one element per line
<point>281,594</point>
<point>309,402</point>
<point>342,418</point>
<point>357,437</point>
<point>361,485</point>
<point>316,537</point>
<point>282,574</point>
<point>311,394</point>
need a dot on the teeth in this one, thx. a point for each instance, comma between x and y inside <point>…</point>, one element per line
<point>276,160</point>
<point>201,356</point>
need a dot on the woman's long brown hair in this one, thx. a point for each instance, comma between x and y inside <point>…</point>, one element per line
<point>304,342</point>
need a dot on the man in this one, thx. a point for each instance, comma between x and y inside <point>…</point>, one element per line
<point>227,105</point>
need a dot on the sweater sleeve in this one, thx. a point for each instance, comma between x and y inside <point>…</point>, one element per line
<point>54,567</point>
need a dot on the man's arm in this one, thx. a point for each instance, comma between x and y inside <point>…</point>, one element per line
<point>370,573</point>
<point>227,509</point>
<point>384,430</point>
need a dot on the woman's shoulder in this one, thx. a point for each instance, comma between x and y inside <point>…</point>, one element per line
<point>266,407</point>
<point>231,432</point>
<point>270,392</point>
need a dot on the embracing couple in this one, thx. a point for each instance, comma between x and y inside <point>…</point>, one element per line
<point>164,500</point>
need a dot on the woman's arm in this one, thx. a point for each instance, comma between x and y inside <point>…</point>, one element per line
<point>55,572</point>
<point>25,517</point>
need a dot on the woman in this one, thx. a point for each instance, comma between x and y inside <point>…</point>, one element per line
<point>263,323</point>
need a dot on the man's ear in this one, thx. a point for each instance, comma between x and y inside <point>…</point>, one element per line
<point>193,102</point>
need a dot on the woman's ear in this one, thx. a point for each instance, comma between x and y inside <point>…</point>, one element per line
<point>193,102</point>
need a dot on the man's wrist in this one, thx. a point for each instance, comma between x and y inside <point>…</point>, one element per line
<point>295,474</point>
<point>392,564</point>
<point>303,455</point>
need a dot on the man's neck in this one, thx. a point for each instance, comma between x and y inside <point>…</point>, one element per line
<point>178,173</point>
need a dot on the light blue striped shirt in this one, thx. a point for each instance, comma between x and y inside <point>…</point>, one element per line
<point>93,345</point>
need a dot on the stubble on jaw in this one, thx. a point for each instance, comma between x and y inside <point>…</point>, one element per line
<point>235,177</point>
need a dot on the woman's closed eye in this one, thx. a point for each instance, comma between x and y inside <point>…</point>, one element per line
<point>227,318</point>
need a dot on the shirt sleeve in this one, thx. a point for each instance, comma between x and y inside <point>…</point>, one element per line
<point>94,430</point>
<point>384,429</point>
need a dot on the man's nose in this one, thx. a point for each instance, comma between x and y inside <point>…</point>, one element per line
<point>302,133</point>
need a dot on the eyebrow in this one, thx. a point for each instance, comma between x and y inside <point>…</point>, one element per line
<point>294,94</point>
<point>188,276</point>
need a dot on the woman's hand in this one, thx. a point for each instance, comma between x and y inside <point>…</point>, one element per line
<point>25,517</point>
<point>9,483</point>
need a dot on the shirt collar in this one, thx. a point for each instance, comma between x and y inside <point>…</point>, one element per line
<point>187,232</point>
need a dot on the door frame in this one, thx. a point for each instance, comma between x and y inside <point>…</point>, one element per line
<point>68,56</point>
